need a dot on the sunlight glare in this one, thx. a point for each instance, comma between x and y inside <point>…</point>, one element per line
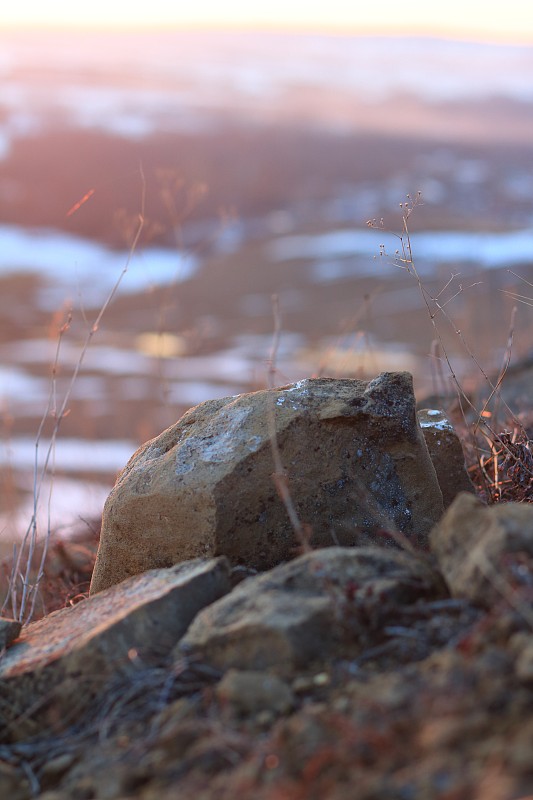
<point>512,21</point>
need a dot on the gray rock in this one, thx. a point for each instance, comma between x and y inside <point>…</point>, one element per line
<point>65,659</point>
<point>354,454</point>
<point>248,693</point>
<point>446,454</point>
<point>9,632</point>
<point>477,546</point>
<point>302,611</point>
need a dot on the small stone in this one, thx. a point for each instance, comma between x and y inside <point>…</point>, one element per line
<point>249,693</point>
<point>57,766</point>
<point>519,641</point>
<point>341,704</point>
<point>524,663</point>
<point>133,624</point>
<point>264,719</point>
<point>475,544</point>
<point>9,632</point>
<point>446,453</point>
<point>302,683</point>
<point>522,748</point>
<point>54,795</point>
<point>300,612</point>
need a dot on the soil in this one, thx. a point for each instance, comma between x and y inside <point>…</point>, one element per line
<point>457,724</point>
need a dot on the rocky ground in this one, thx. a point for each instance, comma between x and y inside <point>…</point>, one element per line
<point>368,672</point>
<point>428,698</point>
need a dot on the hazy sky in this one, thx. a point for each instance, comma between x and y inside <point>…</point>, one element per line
<point>494,19</point>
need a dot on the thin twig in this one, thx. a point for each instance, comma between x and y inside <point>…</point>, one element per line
<point>26,551</point>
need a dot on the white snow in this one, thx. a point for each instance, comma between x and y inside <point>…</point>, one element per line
<point>81,455</point>
<point>82,267</point>
<point>490,250</point>
<point>72,502</point>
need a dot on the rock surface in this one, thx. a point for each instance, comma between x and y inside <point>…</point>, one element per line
<point>446,453</point>
<point>249,692</point>
<point>9,631</point>
<point>354,668</point>
<point>485,552</point>
<point>299,613</point>
<point>354,454</point>
<point>61,662</point>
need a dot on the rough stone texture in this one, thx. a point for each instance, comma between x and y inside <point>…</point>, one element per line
<point>394,688</point>
<point>9,631</point>
<point>354,453</point>
<point>247,692</point>
<point>65,659</point>
<point>481,549</point>
<point>298,612</point>
<point>446,454</point>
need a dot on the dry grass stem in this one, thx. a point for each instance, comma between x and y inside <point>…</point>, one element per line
<point>23,589</point>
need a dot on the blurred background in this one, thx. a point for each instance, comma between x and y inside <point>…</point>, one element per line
<point>243,153</point>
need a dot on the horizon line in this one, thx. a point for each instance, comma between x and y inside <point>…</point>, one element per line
<point>448,34</point>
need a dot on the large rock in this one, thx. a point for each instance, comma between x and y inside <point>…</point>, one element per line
<point>485,552</point>
<point>355,457</point>
<point>301,612</point>
<point>62,662</point>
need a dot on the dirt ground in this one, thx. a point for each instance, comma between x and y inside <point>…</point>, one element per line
<point>439,711</point>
